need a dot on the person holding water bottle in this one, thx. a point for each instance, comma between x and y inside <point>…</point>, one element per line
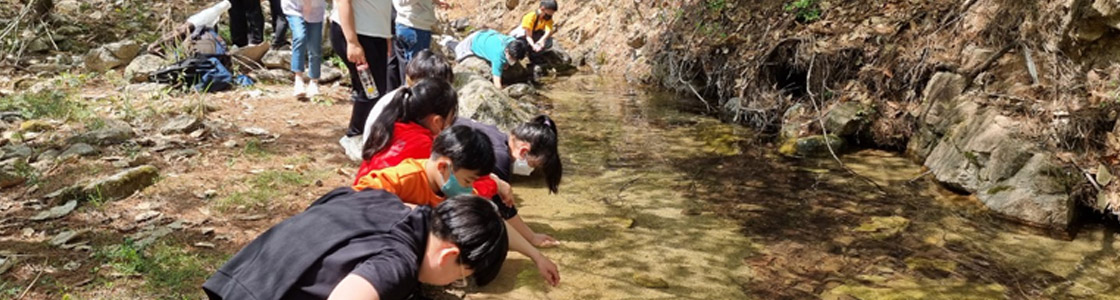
<point>360,32</point>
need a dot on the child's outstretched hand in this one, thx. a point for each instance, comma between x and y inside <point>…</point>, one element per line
<point>541,240</point>
<point>548,270</point>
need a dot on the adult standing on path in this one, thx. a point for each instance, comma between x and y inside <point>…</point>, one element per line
<point>246,23</point>
<point>414,22</point>
<point>360,32</point>
<point>280,23</point>
<point>306,19</point>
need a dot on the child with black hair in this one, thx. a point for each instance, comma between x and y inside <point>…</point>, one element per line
<point>498,49</point>
<point>425,65</point>
<point>407,124</point>
<point>366,245</point>
<point>460,155</point>
<point>537,29</point>
<point>529,146</point>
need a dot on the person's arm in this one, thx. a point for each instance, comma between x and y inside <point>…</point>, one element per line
<point>496,69</point>
<point>505,190</point>
<point>547,268</point>
<point>527,25</point>
<point>536,239</point>
<point>354,51</point>
<point>354,287</point>
<point>544,39</point>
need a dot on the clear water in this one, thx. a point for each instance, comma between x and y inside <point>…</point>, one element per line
<point>661,204</point>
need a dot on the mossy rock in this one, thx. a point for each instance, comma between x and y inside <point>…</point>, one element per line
<point>813,146</point>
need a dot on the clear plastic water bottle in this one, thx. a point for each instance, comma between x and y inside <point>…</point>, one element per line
<point>367,82</point>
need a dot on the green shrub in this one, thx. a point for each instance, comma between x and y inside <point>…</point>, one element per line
<point>806,11</point>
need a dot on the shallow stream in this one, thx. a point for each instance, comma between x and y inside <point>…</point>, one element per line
<point>661,204</point>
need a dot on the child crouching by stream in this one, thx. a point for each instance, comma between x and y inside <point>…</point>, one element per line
<point>366,245</point>
<point>460,155</point>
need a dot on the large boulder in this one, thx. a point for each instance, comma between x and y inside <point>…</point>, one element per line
<point>115,187</point>
<point>110,56</point>
<point>482,101</point>
<point>277,59</point>
<point>978,150</point>
<point>512,74</point>
<point>139,69</point>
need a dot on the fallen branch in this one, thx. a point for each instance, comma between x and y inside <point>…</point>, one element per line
<point>971,75</point>
<point>820,119</point>
<point>32,284</point>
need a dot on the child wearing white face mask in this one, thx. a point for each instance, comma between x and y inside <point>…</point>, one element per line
<point>530,147</point>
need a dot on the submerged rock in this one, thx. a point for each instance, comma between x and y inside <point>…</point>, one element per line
<point>813,146</point>
<point>884,227</point>
<point>650,281</point>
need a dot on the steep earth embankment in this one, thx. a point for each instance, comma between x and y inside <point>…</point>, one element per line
<point>1011,101</point>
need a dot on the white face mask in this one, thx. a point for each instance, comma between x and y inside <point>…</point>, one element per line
<point>521,167</point>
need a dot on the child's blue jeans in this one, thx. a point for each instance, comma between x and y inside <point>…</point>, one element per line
<point>307,46</point>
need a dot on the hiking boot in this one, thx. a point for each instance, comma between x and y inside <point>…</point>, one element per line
<point>298,90</point>
<point>312,88</point>
<point>352,145</point>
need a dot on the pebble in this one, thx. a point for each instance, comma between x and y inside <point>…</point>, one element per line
<point>204,245</point>
<point>146,216</point>
<point>56,212</point>
<point>64,237</point>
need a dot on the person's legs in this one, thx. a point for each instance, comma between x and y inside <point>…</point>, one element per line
<point>279,24</point>
<point>299,53</point>
<point>338,43</point>
<point>423,42</point>
<point>375,49</point>
<point>256,22</point>
<point>238,23</point>
<point>313,42</point>
<point>397,64</point>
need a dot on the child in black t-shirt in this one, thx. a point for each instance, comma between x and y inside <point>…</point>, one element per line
<point>366,245</point>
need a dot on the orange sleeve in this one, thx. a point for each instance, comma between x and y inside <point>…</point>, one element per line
<point>406,180</point>
<point>527,21</point>
<point>379,180</point>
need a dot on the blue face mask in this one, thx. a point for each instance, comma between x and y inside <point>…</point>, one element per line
<point>451,188</point>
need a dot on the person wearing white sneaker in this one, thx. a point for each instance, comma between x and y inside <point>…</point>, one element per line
<point>298,89</point>
<point>305,17</point>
